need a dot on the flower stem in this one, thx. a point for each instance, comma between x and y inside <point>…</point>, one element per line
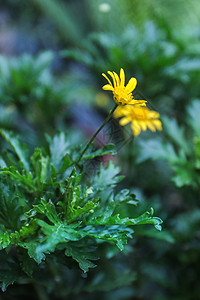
<point>93,137</point>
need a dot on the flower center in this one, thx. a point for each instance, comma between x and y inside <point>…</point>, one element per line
<point>121,96</point>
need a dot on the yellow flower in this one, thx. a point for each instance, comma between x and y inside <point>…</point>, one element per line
<point>122,94</point>
<point>141,118</point>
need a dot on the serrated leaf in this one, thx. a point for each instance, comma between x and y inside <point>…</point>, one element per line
<point>40,166</point>
<point>124,196</point>
<point>35,250</point>
<point>115,234</point>
<point>12,205</point>
<point>107,177</point>
<point>48,209</point>
<point>54,235</point>
<point>81,211</point>
<point>109,219</point>
<point>156,149</point>
<point>65,164</point>
<point>176,133</point>
<point>19,148</point>
<point>82,255</point>
<point>23,179</point>
<point>75,202</point>
<point>184,174</point>
<point>58,146</point>
<point>4,240</point>
<point>107,149</point>
<point>147,218</point>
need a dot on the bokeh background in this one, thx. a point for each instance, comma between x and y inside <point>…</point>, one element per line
<point>52,54</point>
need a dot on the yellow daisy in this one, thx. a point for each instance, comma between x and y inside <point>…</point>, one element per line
<point>122,94</point>
<point>141,118</point>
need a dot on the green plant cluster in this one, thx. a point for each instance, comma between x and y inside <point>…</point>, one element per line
<point>164,168</point>
<point>57,221</point>
<point>165,64</point>
<point>27,88</point>
<point>45,211</point>
<point>179,150</point>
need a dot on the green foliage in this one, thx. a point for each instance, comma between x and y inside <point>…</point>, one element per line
<point>153,52</point>
<point>149,42</point>
<point>45,211</point>
<point>181,150</point>
<point>34,90</point>
<point>57,222</point>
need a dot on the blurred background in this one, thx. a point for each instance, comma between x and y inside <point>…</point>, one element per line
<point>52,54</point>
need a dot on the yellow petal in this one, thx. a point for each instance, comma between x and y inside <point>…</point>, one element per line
<point>104,75</point>
<point>131,85</point>
<point>138,102</point>
<point>116,78</point>
<point>136,128</point>
<point>113,78</point>
<point>158,124</point>
<point>108,87</point>
<point>154,114</point>
<point>119,112</point>
<point>143,125</point>
<point>122,77</point>
<point>151,126</point>
<point>124,121</point>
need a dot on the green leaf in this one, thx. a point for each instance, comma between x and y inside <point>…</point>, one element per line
<point>58,146</point>
<point>28,265</point>
<point>48,209</point>
<point>53,236</point>
<point>76,202</point>
<point>146,218</point>
<point>9,270</point>
<point>107,177</point>
<point>2,163</point>
<point>4,239</point>
<point>41,167</point>
<point>186,225</point>
<point>13,204</point>
<point>156,149</point>
<point>118,235</point>
<point>176,133</point>
<point>82,254</point>
<point>20,149</point>
<point>65,164</point>
<point>184,174</point>
<point>82,211</point>
<point>35,250</point>
<point>24,179</point>
<point>193,111</point>
<point>107,149</point>
<point>124,196</point>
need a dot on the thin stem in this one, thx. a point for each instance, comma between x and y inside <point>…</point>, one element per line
<point>93,137</point>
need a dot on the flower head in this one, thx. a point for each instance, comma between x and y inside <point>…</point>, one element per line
<point>141,118</point>
<point>122,94</point>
